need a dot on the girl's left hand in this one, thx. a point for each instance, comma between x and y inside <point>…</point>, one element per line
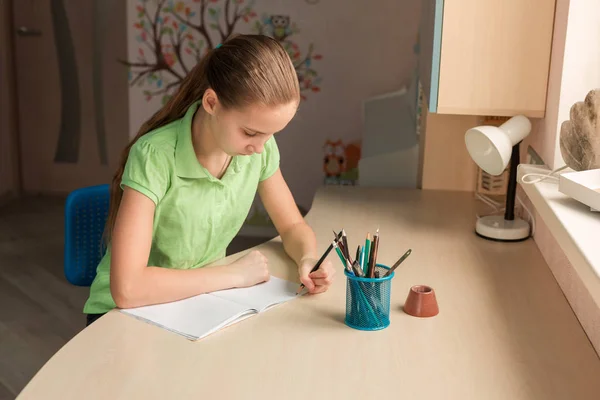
<point>318,281</point>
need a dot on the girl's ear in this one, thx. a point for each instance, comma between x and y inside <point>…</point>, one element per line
<point>210,101</point>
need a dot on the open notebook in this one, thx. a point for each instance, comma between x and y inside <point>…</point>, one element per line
<point>199,316</point>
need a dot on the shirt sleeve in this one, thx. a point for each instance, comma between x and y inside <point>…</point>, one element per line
<point>147,171</point>
<point>270,159</point>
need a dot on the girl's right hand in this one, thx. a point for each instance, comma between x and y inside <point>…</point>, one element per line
<point>251,269</point>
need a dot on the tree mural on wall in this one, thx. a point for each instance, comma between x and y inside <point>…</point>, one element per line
<point>174,35</point>
<point>281,29</point>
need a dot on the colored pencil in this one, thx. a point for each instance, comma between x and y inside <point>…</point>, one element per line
<point>345,243</point>
<point>342,258</point>
<point>357,269</point>
<point>343,250</point>
<point>373,255</point>
<point>398,263</point>
<point>366,251</point>
<point>342,243</point>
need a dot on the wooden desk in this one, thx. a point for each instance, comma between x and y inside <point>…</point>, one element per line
<point>505,330</point>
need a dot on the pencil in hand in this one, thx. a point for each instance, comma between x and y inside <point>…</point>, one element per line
<point>323,257</point>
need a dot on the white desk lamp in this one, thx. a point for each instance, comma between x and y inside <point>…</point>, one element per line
<point>492,148</point>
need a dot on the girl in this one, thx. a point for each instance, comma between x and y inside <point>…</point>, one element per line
<point>187,181</point>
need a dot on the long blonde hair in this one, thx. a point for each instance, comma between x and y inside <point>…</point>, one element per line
<point>244,70</point>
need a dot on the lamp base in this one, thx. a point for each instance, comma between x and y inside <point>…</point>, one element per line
<point>495,227</point>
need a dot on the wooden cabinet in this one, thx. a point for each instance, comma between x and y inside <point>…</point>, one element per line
<point>486,57</point>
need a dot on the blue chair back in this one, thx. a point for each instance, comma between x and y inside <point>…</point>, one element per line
<point>86,211</point>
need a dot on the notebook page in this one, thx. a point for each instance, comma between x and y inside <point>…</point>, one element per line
<point>259,297</point>
<point>194,317</point>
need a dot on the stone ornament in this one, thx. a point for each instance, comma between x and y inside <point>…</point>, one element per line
<point>580,134</point>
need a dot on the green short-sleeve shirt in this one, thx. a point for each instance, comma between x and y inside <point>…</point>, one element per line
<point>196,215</point>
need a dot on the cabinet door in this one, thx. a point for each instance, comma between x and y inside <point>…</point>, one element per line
<point>495,57</point>
<point>430,40</point>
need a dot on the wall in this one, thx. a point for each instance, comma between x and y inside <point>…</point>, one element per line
<point>581,68</point>
<point>445,162</point>
<point>544,134</point>
<point>361,49</point>
<point>9,183</point>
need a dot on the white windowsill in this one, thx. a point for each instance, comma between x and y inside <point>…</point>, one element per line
<point>572,224</point>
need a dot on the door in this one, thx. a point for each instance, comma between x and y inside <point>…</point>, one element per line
<point>72,91</point>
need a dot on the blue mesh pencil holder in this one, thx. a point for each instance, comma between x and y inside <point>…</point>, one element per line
<point>368,300</point>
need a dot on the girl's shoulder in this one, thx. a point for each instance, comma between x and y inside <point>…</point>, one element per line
<point>155,150</point>
<point>162,139</point>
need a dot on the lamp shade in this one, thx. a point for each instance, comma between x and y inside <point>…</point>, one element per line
<point>490,147</point>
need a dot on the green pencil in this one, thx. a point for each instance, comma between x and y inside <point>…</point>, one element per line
<point>367,250</point>
<point>339,252</point>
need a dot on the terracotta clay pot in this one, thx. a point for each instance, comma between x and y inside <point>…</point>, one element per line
<point>421,302</point>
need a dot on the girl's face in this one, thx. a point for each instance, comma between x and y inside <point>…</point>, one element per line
<point>245,131</point>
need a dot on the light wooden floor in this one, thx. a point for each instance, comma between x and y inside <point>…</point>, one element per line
<point>39,310</point>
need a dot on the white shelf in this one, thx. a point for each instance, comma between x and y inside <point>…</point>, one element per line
<point>574,226</point>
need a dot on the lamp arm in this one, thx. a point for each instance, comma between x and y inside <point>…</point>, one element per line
<point>511,192</point>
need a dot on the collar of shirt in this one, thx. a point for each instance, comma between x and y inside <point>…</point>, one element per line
<point>186,163</point>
